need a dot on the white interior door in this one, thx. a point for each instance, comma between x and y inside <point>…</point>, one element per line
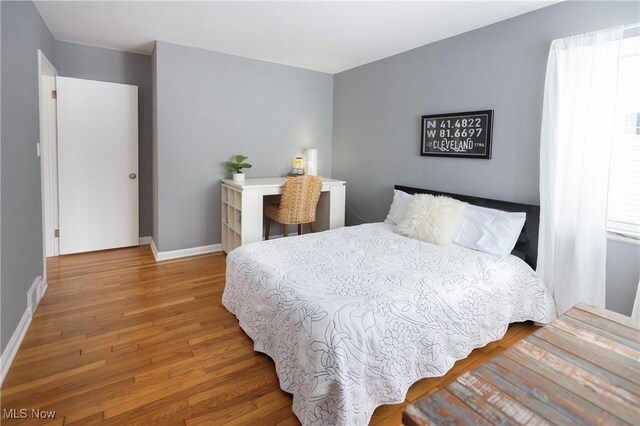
<point>97,165</point>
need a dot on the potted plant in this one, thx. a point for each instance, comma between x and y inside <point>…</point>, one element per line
<point>235,167</point>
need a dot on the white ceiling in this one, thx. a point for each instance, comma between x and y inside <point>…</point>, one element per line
<point>323,36</point>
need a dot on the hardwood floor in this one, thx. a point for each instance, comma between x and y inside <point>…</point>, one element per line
<point>121,339</point>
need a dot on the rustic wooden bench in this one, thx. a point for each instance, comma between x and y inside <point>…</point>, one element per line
<point>583,368</point>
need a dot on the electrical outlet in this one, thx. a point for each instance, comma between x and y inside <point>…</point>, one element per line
<point>38,148</point>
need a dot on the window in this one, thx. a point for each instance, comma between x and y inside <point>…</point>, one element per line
<point>624,180</point>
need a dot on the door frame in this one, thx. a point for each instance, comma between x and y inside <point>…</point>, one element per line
<point>48,151</point>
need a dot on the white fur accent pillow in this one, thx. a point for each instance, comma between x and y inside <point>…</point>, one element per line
<point>434,219</point>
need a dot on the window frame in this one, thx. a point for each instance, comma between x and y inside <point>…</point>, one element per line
<point>619,230</point>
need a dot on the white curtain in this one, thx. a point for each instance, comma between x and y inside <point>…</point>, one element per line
<point>575,150</point>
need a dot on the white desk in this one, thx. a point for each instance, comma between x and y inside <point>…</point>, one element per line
<point>242,208</point>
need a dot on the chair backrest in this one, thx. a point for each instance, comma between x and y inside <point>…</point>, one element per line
<point>299,200</point>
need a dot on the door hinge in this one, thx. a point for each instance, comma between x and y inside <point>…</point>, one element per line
<point>56,233</point>
<point>54,94</point>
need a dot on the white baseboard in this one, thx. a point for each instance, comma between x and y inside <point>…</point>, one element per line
<point>43,289</point>
<point>154,249</point>
<point>34,295</point>
<point>12,347</point>
<point>177,254</point>
<point>143,241</point>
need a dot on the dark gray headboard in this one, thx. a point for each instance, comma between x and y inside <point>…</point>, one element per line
<point>527,246</point>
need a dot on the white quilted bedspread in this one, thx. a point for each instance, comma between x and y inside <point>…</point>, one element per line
<point>352,317</point>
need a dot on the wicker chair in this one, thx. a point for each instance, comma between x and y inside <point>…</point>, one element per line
<point>297,206</point>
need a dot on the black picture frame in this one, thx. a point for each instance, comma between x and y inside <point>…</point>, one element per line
<point>427,143</point>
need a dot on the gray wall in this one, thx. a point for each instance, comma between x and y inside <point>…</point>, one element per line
<point>211,106</point>
<point>23,33</point>
<point>499,67</point>
<point>95,63</point>
<point>377,109</point>
<point>623,272</point>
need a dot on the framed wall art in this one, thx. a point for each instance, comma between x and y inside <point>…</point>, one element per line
<point>459,134</point>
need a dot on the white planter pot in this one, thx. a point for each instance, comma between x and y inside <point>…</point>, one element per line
<point>238,177</point>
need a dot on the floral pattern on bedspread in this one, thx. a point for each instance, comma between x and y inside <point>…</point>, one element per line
<point>352,317</point>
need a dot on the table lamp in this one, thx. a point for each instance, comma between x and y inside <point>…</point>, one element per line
<point>311,162</point>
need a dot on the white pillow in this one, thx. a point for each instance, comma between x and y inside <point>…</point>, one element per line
<point>434,219</point>
<point>399,204</point>
<point>489,230</point>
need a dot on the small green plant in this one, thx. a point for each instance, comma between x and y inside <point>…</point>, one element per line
<point>237,165</point>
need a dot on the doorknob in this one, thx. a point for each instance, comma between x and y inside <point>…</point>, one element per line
<point>132,175</point>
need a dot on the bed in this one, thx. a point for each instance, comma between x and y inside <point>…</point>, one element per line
<point>354,316</point>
